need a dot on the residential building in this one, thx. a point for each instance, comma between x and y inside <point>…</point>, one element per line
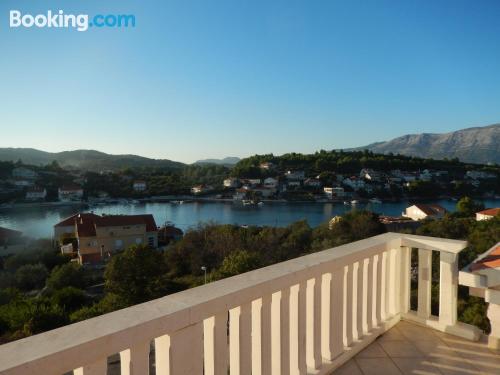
<point>264,192</point>
<point>68,193</point>
<point>240,194</point>
<point>232,183</point>
<point>293,183</point>
<point>36,193</point>
<point>312,182</point>
<point>354,183</point>
<point>251,182</point>
<point>98,237</point>
<point>266,165</point>
<point>488,214</point>
<point>479,175</point>
<point>22,183</point>
<point>201,189</point>
<point>8,237</point>
<point>24,173</point>
<point>139,186</point>
<point>424,211</point>
<point>334,192</point>
<point>271,182</point>
<point>295,175</point>
<point>371,175</point>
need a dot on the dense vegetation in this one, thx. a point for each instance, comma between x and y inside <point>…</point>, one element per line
<point>42,291</point>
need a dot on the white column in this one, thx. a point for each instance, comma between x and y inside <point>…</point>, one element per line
<point>240,340</point>
<point>405,279</point>
<point>185,352</point>
<point>284,333</point>
<point>384,289</point>
<point>261,336</point>
<point>424,282</point>
<point>448,288</point>
<point>162,360</point>
<point>313,324</point>
<point>297,329</point>
<point>368,295</point>
<point>336,334</point>
<point>348,316</point>
<point>379,284</point>
<point>358,299</point>
<point>494,317</point>
<point>395,277</point>
<point>135,361</point>
<point>215,344</point>
<point>96,368</point>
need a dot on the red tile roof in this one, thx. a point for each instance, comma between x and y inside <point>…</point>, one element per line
<point>431,209</point>
<point>490,212</point>
<point>491,260</point>
<point>6,233</point>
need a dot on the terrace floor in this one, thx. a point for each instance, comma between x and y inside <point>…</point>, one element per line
<point>411,349</point>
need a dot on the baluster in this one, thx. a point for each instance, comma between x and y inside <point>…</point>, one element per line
<point>97,368</point>
<point>135,361</point>
<point>261,336</point>
<point>405,279</point>
<point>358,331</point>
<point>240,340</point>
<point>379,285</point>
<point>424,282</point>
<point>448,288</point>
<point>313,325</point>
<point>297,329</point>
<point>215,344</point>
<point>336,334</point>
<point>394,278</point>
<point>348,316</point>
<point>369,287</point>
<point>384,287</point>
<point>302,316</point>
<point>284,332</point>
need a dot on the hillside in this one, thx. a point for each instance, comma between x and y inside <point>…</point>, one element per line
<point>473,145</point>
<point>228,161</point>
<point>85,159</point>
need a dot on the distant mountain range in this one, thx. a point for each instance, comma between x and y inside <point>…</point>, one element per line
<point>473,145</point>
<point>84,159</point>
<point>230,160</point>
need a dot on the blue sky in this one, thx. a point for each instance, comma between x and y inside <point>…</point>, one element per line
<point>198,79</point>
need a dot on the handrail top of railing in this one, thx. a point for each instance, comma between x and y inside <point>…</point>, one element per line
<point>117,330</point>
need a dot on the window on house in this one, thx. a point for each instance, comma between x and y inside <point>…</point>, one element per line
<point>138,241</point>
<point>118,244</point>
<point>151,241</point>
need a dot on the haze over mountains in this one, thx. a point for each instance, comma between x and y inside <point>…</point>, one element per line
<point>473,145</point>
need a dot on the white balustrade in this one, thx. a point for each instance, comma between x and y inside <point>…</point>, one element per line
<point>306,315</point>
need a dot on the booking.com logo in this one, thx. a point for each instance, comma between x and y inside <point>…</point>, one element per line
<point>80,22</point>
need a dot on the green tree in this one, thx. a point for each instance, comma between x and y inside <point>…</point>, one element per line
<point>239,261</point>
<point>137,275</point>
<point>31,276</point>
<point>468,207</point>
<point>69,298</point>
<point>69,274</point>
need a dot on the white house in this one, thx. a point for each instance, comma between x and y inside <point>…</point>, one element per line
<point>488,214</point>
<point>370,174</point>
<point>312,182</point>
<point>36,193</point>
<point>252,181</point>
<point>266,165</point>
<point>478,175</point>
<point>69,193</point>
<point>331,192</point>
<point>354,183</point>
<point>270,182</point>
<point>265,192</point>
<point>139,185</point>
<point>200,189</point>
<point>231,182</point>
<point>293,183</point>
<point>295,175</point>
<point>24,173</point>
<point>424,211</point>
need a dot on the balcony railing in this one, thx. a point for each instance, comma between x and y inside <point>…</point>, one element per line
<point>307,315</point>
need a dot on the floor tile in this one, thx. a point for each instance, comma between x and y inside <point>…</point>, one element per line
<point>374,350</point>
<point>401,349</point>
<point>377,366</point>
<point>420,366</point>
<point>349,368</point>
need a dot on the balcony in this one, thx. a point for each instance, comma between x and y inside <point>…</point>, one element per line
<point>317,314</point>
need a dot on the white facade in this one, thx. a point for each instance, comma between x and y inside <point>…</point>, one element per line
<point>295,175</point>
<point>36,194</point>
<point>231,182</point>
<point>270,182</point>
<point>334,192</point>
<point>70,194</point>
<point>139,186</point>
<point>420,212</point>
<point>487,214</point>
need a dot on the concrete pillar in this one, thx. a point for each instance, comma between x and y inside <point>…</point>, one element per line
<point>216,344</point>
<point>448,288</point>
<point>97,368</point>
<point>424,283</point>
<point>313,324</point>
<point>135,361</point>
<point>347,304</point>
<point>240,340</point>
<point>405,279</point>
<point>494,317</point>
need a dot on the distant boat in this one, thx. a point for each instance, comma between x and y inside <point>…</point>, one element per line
<point>178,202</point>
<point>375,200</point>
<point>347,203</point>
<point>354,201</point>
<point>260,204</point>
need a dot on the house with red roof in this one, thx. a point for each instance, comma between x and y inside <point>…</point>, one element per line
<point>70,193</point>
<point>487,214</point>
<point>99,237</point>
<point>423,211</point>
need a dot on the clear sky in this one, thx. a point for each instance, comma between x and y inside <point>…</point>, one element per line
<point>197,79</point>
